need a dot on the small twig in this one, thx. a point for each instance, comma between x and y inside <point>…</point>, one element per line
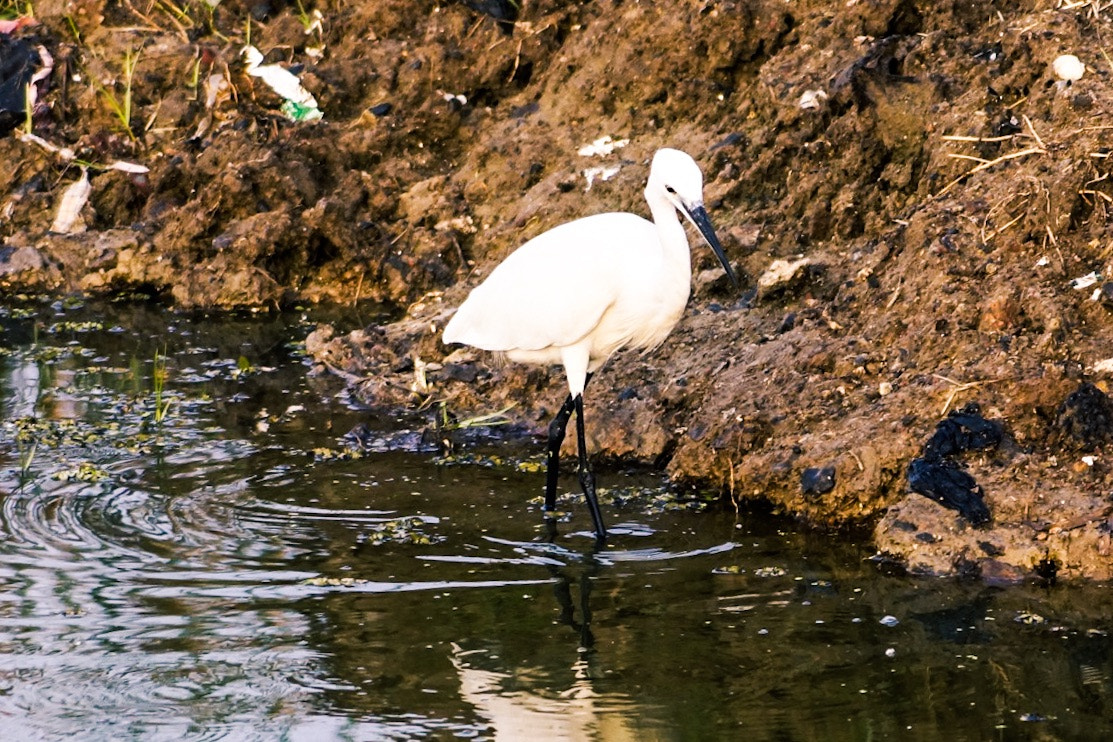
<point>401,234</point>
<point>950,398</point>
<point>895,296</point>
<point>144,17</point>
<point>1096,127</point>
<point>359,286</point>
<point>857,460</point>
<point>166,8</point>
<point>996,232</point>
<point>345,375</point>
<point>733,496</point>
<point>491,418</point>
<point>1100,194</point>
<point>153,116</point>
<point>991,163</point>
<point>1028,123</point>
<point>474,27</point>
<point>1105,56</point>
<point>1010,156</point>
<point>961,138</point>
<point>134,29</point>
<point>517,61</point>
<point>959,156</point>
<point>960,387</point>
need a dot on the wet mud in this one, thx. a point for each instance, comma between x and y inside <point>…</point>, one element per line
<point>920,206</point>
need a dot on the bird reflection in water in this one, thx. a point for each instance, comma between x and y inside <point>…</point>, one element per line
<point>517,705</point>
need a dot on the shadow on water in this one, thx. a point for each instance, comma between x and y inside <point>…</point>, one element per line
<point>228,569</point>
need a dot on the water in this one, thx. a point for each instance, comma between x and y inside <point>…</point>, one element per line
<point>230,572</point>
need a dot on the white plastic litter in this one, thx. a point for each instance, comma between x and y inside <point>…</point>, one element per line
<point>128,167</point>
<point>67,155</point>
<point>215,86</point>
<point>812,99</point>
<point>69,208</point>
<point>300,104</point>
<point>602,147</point>
<point>41,74</point>
<point>1086,281</point>
<point>592,174</point>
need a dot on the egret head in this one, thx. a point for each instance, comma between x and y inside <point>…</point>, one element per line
<point>676,177</point>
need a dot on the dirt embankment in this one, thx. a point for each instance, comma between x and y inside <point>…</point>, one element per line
<point>934,188</point>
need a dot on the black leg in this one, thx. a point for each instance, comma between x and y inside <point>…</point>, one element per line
<point>556,437</point>
<point>587,479</point>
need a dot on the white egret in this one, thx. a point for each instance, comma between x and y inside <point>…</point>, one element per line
<point>577,293</point>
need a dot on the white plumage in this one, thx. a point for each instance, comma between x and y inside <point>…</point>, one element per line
<point>577,293</point>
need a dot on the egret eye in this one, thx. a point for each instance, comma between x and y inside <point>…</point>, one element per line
<point>670,189</point>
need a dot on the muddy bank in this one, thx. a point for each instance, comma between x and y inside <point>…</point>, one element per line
<point>934,191</point>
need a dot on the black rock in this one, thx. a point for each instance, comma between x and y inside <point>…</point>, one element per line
<point>818,481</point>
<point>991,549</point>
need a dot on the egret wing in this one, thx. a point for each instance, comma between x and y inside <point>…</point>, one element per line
<point>553,290</point>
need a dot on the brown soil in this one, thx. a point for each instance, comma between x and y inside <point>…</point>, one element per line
<point>944,190</point>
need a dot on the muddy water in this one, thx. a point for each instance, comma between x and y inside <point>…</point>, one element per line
<point>188,550</point>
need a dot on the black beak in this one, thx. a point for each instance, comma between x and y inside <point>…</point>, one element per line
<point>698,216</point>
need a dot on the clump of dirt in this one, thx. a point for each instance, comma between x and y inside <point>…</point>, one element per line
<point>921,206</point>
